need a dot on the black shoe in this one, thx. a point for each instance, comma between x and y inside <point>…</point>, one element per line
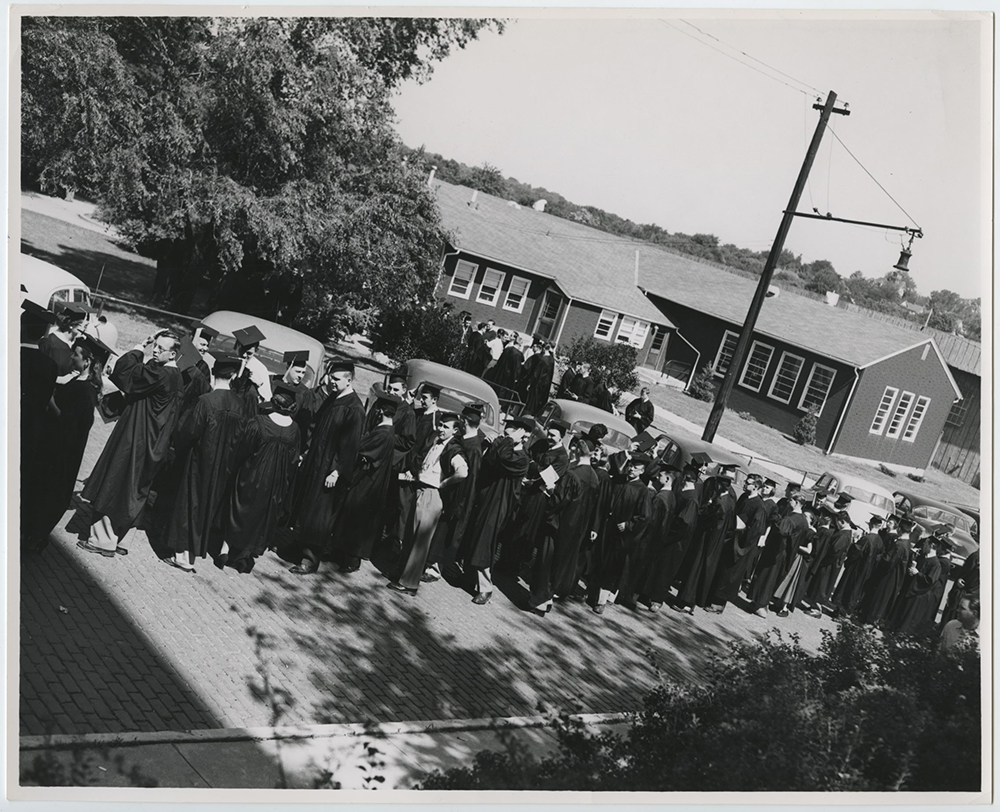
<point>429,578</point>
<point>599,608</point>
<point>482,598</point>
<point>221,560</point>
<point>307,567</point>
<point>539,612</point>
<point>348,569</point>
<point>400,588</point>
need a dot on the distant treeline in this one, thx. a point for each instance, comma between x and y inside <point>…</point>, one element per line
<point>946,310</point>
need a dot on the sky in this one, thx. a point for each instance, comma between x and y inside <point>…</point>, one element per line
<point>654,119</point>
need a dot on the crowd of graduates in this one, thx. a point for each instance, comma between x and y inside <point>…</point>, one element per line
<point>212,457</point>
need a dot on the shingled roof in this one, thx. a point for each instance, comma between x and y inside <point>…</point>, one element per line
<point>587,265</point>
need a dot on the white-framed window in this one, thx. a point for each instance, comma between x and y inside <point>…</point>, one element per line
<point>605,324</point>
<point>756,366</point>
<point>916,418</point>
<point>517,294</point>
<point>789,369</point>
<point>489,288</point>
<point>726,349</point>
<point>817,388</point>
<point>461,281</point>
<point>956,417</point>
<point>882,412</point>
<point>632,332</point>
<point>899,414</point>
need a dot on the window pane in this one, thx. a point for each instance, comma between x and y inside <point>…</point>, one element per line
<point>632,332</point>
<point>896,424</point>
<point>461,282</point>
<point>754,371</point>
<point>956,417</point>
<point>605,324</point>
<point>490,287</point>
<point>913,426</point>
<point>658,337</point>
<point>515,294</point>
<point>786,377</point>
<point>817,387</point>
<point>878,423</point>
<point>726,350</point>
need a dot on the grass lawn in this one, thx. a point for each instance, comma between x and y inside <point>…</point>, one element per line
<point>126,275</point>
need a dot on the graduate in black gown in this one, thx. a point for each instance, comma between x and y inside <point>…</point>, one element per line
<point>858,564</point>
<point>505,464</point>
<point>827,560</point>
<point>195,363</point>
<point>566,382</point>
<point>327,466</point>
<point>601,397</point>
<point>507,370</point>
<point>887,578</point>
<point>967,583</point>
<point>118,487</point>
<point>677,539</point>
<point>296,379</point>
<point>459,500</point>
<point>751,524</point>
<point>780,545</point>
<point>654,546</point>
<point>917,606</point>
<point>361,518</point>
<point>571,520</point>
<point>639,413</point>
<point>205,444</point>
<point>63,439</point>
<point>526,526</point>
<point>716,530</point>
<point>58,344</point>
<point>536,378</point>
<point>624,527</point>
<point>266,457</point>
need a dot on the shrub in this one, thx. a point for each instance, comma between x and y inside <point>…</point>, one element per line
<point>805,430</point>
<point>867,713</point>
<point>746,416</point>
<point>613,363</point>
<point>430,331</point>
<point>703,385</point>
<point>886,470</point>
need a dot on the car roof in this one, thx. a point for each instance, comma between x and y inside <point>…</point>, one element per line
<point>40,278</point>
<point>717,453</point>
<point>420,369</point>
<point>572,411</point>
<point>278,337</point>
<point>916,499</point>
<point>851,479</point>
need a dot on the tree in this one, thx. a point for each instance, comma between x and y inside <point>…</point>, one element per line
<point>614,362</point>
<point>431,331</point>
<point>487,178</point>
<point>703,385</point>
<point>249,151</point>
<point>820,276</point>
<point>804,431</point>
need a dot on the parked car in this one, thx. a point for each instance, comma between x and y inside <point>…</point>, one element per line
<point>968,510</point>
<point>581,417</point>
<point>869,499</point>
<point>278,339</point>
<point>46,284</point>
<point>679,452</point>
<point>929,513</point>
<point>458,389</point>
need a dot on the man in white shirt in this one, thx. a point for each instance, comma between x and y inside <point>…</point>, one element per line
<point>247,342</point>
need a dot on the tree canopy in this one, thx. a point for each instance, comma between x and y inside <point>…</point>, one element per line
<point>258,154</point>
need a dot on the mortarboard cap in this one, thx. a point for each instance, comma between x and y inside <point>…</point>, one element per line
<point>875,519</point>
<point>645,441</point>
<point>699,459</point>
<point>728,469</point>
<point>843,516</point>
<point>844,498</point>
<point>38,312</point>
<point>224,361</point>
<point>473,409</point>
<point>101,351</point>
<point>281,388</point>
<point>388,403</point>
<point>296,358</point>
<point>77,311</point>
<point>433,389</point>
<point>187,355</point>
<point>340,365</point>
<point>770,483</point>
<point>204,331</point>
<point>559,425</point>
<point>945,529</point>
<point>248,337</point>
<point>446,417</point>
<point>667,468</point>
<point>691,473</point>
<point>640,459</point>
<point>397,376</point>
<point>521,421</point>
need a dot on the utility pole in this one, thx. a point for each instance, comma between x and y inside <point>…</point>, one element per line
<point>736,363</point>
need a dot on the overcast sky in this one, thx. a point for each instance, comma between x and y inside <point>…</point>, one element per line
<point>639,117</point>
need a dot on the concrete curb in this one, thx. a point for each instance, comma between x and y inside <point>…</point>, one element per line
<point>379,730</point>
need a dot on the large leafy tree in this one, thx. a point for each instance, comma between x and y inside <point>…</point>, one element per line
<point>257,154</point>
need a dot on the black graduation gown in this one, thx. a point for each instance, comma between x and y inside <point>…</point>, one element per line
<point>676,541</point>
<point>118,487</point>
<point>526,524</point>
<point>334,447</point>
<point>265,462</point>
<point>566,383</point>
<point>38,382</point>
<point>197,381</point>
<point>499,487</point>
<point>588,558</point>
<point>59,351</point>
<point>205,444</point>
<point>825,565</point>
<point>917,606</point>
<point>631,505</point>
<point>583,388</point>
<point>886,581</point>
<point>474,353</point>
<point>61,449</point>
<point>716,529</point>
<point>861,557</point>
<point>968,574</point>
<point>738,552</point>
<point>537,381</point>
<point>507,369</point>
<point>305,408</point>
<point>639,414</point>
<point>602,399</point>
<point>570,519</point>
<point>777,556</point>
<point>360,520</point>
<point>654,549</point>
<point>456,506</point>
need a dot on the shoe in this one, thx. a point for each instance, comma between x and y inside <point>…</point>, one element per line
<point>307,567</point>
<point>400,588</point>
<point>688,610</point>
<point>347,570</point>
<point>679,607</point>
<point>814,613</point>
<point>599,609</point>
<point>760,612</point>
<point>539,612</point>
<point>783,613</point>
<point>221,560</point>
<point>482,598</point>
<point>90,548</point>
<point>173,563</point>
<point>429,578</point>
<point>655,606</point>
<point>715,610</point>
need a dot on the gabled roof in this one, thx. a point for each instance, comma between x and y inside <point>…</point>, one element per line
<point>959,352</point>
<point>587,265</point>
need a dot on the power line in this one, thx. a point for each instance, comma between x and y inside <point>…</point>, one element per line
<point>880,186</point>
<point>736,59</point>
<point>755,59</point>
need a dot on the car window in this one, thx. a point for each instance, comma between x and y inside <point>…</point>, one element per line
<point>921,512</point>
<point>827,482</point>
<point>452,400</point>
<point>613,438</point>
<point>61,295</point>
<point>879,501</point>
<point>903,504</point>
<point>81,295</point>
<point>548,412</point>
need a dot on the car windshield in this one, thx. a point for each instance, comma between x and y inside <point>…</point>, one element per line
<point>824,482</point>
<point>879,501</point>
<point>613,438</point>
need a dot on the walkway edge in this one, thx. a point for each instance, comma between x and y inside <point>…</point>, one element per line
<point>382,729</point>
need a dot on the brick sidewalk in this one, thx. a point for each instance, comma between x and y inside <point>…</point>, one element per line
<point>130,644</point>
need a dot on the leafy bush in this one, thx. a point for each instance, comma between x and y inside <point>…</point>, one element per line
<point>746,416</point>
<point>430,331</point>
<point>805,430</point>
<point>866,714</point>
<point>703,384</point>
<point>612,362</point>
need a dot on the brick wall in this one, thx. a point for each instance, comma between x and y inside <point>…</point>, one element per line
<point>912,372</point>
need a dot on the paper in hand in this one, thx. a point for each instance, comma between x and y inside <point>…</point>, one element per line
<point>549,476</point>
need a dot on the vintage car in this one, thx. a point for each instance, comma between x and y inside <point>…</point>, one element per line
<point>679,451</point>
<point>46,284</point>
<point>869,499</point>
<point>278,339</point>
<point>458,389</point>
<point>929,513</point>
<point>581,417</point>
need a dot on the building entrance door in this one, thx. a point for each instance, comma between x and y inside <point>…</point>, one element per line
<point>656,348</point>
<point>548,315</point>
